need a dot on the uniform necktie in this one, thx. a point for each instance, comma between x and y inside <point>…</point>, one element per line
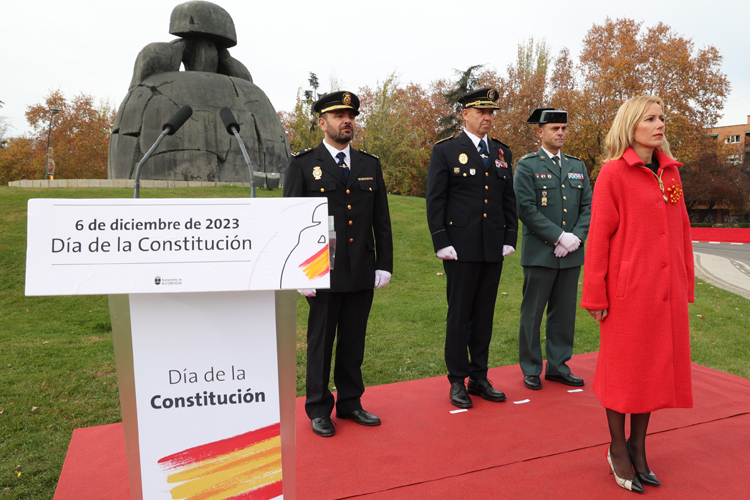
<point>484,152</point>
<point>343,166</point>
<point>556,161</point>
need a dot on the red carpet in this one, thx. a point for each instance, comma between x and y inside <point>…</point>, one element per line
<point>554,444</point>
<point>723,234</point>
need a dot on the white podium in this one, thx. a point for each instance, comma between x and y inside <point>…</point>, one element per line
<point>203,310</point>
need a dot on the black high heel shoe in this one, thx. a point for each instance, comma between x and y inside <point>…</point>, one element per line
<point>648,478</point>
<point>629,484</point>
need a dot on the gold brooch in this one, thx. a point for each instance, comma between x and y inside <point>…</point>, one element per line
<point>463,159</point>
<point>347,100</point>
<point>317,173</point>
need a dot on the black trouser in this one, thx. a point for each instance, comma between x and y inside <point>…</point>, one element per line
<point>346,312</point>
<point>472,291</point>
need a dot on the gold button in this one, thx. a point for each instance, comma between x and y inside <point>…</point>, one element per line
<point>545,241</point>
<point>545,187</point>
<point>351,240</point>
<point>485,201</point>
<point>565,209</point>
<point>464,175</point>
<point>563,185</point>
<point>565,197</point>
<point>564,223</point>
<point>347,191</point>
<point>450,223</point>
<point>371,188</point>
<point>486,187</point>
<point>486,174</point>
<point>348,207</point>
<point>485,215</point>
<point>322,190</point>
<point>351,222</point>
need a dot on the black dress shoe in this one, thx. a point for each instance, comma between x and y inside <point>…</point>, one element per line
<point>361,417</point>
<point>567,379</point>
<point>532,382</point>
<point>459,396</point>
<point>484,388</point>
<point>322,426</point>
<point>649,477</point>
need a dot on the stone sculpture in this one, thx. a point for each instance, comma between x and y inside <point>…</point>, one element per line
<point>201,150</point>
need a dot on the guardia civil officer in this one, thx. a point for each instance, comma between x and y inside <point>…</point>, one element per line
<point>471,213</point>
<point>554,204</point>
<point>352,182</point>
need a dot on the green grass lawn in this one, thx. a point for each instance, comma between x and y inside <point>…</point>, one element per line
<point>57,361</point>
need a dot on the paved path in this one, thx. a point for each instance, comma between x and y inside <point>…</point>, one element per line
<point>729,274</point>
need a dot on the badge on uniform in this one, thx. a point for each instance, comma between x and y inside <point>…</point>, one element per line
<point>544,198</point>
<point>578,177</point>
<point>456,170</point>
<point>536,175</point>
<point>463,159</point>
<point>472,171</point>
<point>501,164</point>
<point>317,173</point>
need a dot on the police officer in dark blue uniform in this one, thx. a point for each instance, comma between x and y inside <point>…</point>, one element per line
<point>352,182</point>
<point>471,213</point>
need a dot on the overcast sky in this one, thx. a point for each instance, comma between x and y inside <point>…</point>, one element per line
<point>90,46</point>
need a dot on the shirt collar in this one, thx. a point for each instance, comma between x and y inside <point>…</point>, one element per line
<point>475,139</point>
<point>550,155</point>
<point>334,152</point>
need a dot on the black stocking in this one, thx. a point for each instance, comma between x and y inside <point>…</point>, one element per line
<point>637,441</point>
<point>618,449</point>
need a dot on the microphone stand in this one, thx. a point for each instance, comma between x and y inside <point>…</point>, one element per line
<point>247,160</point>
<point>137,193</point>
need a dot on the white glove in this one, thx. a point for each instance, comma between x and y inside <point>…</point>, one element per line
<point>307,292</point>
<point>560,251</point>
<point>447,253</point>
<point>382,278</point>
<point>570,241</point>
<point>507,250</point>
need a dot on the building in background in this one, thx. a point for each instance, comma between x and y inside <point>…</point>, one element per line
<point>737,137</point>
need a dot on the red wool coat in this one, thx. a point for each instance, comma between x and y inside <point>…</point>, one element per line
<point>639,266</point>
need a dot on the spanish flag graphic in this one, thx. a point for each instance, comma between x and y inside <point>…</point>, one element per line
<point>246,467</point>
<point>317,265</point>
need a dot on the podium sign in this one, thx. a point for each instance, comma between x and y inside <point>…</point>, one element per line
<point>81,247</point>
<point>205,338</point>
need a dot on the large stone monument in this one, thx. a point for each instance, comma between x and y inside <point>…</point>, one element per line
<point>201,150</point>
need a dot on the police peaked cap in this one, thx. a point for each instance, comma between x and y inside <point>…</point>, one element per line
<point>542,116</point>
<point>482,98</point>
<point>337,100</point>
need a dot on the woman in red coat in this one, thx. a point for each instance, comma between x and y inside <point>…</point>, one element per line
<point>638,280</point>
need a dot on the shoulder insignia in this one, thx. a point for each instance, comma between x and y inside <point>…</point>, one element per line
<point>300,153</point>
<point>446,139</point>
<point>529,155</point>
<point>571,156</point>
<point>368,154</point>
<point>501,142</point>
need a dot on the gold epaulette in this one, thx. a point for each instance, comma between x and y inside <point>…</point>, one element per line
<point>571,156</point>
<point>300,153</point>
<point>446,139</point>
<point>368,154</point>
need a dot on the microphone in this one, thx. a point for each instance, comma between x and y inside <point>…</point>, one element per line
<point>233,128</point>
<point>169,128</point>
<point>229,122</point>
<point>179,118</point>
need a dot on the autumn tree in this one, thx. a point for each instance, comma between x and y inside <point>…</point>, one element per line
<point>386,129</point>
<point>79,136</point>
<point>621,59</point>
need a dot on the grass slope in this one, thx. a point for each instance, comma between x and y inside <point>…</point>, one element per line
<point>57,368</point>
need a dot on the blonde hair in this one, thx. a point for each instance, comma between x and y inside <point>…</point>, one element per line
<point>621,134</point>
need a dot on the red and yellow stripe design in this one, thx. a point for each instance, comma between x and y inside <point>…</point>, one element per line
<point>245,467</point>
<point>317,265</point>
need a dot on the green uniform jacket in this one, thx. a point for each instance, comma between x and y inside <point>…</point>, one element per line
<point>567,207</point>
